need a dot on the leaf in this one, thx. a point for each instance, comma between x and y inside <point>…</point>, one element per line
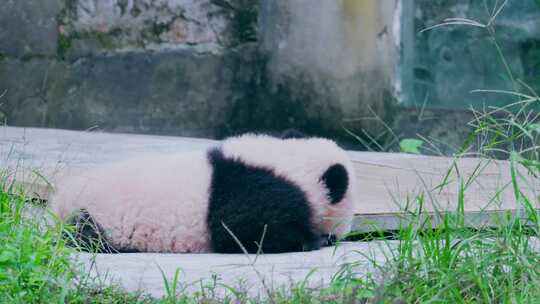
<point>410,145</point>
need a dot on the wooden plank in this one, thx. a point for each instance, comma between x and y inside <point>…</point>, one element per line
<point>395,221</point>
<point>389,184</point>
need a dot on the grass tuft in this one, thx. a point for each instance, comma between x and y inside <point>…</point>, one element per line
<point>34,263</point>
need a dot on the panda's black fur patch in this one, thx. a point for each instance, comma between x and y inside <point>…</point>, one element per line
<point>89,236</point>
<point>336,181</point>
<point>245,199</point>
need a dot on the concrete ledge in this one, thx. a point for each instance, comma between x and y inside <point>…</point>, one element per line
<point>245,273</point>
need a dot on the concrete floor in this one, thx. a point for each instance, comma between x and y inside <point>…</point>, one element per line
<point>145,271</point>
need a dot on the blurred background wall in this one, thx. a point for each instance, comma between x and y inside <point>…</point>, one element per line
<point>196,67</point>
<point>213,68</point>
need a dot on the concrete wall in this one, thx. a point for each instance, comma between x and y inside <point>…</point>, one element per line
<point>447,63</point>
<point>198,67</point>
<point>340,55</point>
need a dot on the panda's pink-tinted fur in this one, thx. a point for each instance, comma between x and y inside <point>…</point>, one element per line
<point>160,204</point>
<point>152,203</point>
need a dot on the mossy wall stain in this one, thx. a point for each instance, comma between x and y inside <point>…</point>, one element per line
<point>88,27</point>
<point>64,44</point>
<point>243,19</point>
<point>196,67</point>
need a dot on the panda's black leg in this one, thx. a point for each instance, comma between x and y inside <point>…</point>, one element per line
<point>315,244</point>
<point>88,235</point>
<point>329,240</point>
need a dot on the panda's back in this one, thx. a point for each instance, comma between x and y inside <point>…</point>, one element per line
<point>153,203</point>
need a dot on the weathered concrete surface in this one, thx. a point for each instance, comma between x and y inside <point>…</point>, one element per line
<point>89,27</point>
<point>163,92</point>
<point>340,55</point>
<point>162,67</point>
<point>451,61</point>
<point>246,273</point>
<point>29,28</point>
<point>168,92</point>
<point>202,68</point>
<point>136,272</point>
<point>39,148</point>
<point>218,67</point>
<point>27,86</point>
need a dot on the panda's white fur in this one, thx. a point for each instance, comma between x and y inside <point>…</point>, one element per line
<point>153,203</point>
<point>160,203</point>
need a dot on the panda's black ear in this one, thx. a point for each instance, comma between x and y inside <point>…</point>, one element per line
<point>292,133</point>
<point>336,180</point>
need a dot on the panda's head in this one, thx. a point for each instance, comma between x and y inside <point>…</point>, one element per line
<point>317,166</point>
<point>338,212</point>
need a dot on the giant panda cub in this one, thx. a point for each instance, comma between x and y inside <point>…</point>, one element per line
<point>269,194</point>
